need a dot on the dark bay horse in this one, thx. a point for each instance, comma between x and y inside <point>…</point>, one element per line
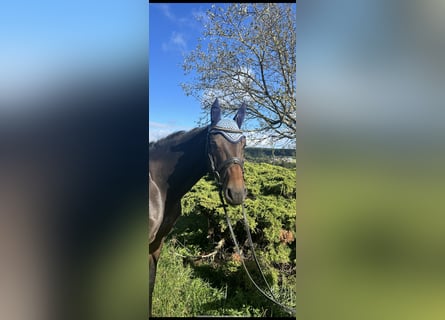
<point>177,162</point>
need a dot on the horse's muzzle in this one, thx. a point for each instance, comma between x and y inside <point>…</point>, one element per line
<point>235,196</point>
<point>233,185</point>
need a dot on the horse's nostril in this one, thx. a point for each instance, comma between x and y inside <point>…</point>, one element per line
<point>229,193</point>
<point>235,196</point>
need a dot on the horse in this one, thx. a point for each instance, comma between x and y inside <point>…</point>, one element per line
<point>177,162</point>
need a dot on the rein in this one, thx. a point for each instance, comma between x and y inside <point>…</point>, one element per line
<point>271,298</point>
<point>218,172</point>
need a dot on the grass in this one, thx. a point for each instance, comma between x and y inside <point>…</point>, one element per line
<point>187,291</point>
<point>177,292</point>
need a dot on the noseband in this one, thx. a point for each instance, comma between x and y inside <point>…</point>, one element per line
<point>220,171</point>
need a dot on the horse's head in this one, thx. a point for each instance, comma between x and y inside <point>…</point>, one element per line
<point>226,144</point>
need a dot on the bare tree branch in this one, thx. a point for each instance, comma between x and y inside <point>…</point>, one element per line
<point>247,53</point>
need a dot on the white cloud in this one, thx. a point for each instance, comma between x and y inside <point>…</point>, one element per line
<point>158,125</point>
<point>165,8</point>
<point>178,39</point>
<point>181,21</point>
<point>256,139</point>
<point>156,134</point>
<point>158,130</point>
<point>177,42</point>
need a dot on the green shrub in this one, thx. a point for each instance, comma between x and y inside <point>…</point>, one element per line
<point>271,212</point>
<point>270,208</point>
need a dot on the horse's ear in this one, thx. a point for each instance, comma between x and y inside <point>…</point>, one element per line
<point>239,117</point>
<point>215,112</point>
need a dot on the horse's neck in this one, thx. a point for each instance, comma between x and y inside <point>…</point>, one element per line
<point>186,164</point>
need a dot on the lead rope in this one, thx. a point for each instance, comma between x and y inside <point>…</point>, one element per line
<point>249,236</point>
<point>289,310</point>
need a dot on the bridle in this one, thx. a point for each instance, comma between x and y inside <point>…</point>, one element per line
<point>220,171</point>
<point>219,174</point>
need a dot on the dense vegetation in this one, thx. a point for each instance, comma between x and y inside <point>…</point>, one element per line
<point>199,271</point>
<point>370,234</point>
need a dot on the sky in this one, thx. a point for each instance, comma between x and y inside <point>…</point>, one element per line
<point>363,62</point>
<point>47,39</point>
<point>173,32</point>
<point>372,67</point>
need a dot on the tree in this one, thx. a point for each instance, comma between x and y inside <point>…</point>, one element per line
<point>247,54</point>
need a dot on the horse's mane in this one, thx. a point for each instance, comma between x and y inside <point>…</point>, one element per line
<point>175,137</point>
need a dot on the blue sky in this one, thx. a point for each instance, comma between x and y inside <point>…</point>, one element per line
<point>173,32</point>
<point>357,62</point>
<point>43,41</point>
<point>357,67</point>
